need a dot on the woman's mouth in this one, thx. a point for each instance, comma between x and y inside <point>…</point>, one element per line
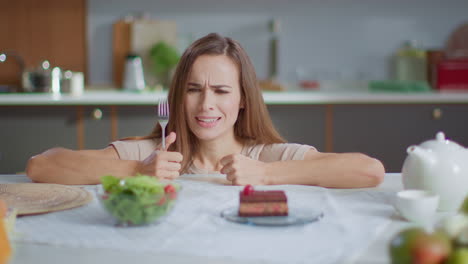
<point>207,122</point>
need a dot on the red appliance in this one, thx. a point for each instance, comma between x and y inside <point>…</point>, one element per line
<point>452,74</point>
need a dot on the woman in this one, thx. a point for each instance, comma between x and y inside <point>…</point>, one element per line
<point>219,123</point>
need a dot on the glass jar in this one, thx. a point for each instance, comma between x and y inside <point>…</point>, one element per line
<point>410,63</point>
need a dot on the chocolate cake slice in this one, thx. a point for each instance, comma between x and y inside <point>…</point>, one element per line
<point>263,203</point>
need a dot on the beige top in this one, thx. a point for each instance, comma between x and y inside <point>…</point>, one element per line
<point>140,149</point>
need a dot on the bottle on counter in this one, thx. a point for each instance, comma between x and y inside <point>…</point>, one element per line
<point>134,79</point>
<point>410,62</point>
<point>72,83</point>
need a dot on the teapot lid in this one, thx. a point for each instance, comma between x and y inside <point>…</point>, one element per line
<point>441,143</point>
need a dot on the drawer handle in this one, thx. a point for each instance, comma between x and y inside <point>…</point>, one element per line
<point>437,114</point>
<point>96,114</point>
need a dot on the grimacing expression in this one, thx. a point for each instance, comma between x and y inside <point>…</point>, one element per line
<point>213,97</point>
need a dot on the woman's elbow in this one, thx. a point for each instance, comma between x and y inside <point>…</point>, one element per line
<point>37,166</point>
<point>375,171</point>
<point>34,168</point>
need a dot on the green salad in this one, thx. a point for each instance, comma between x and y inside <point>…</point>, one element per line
<point>137,200</point>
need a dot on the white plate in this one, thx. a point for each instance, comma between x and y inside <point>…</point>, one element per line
<point>298,216</point>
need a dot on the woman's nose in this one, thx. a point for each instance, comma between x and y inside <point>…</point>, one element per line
<point>207,101</point>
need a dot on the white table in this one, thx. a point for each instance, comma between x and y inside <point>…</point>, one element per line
<point>28,252</point>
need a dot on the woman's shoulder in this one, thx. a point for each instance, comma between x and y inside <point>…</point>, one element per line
<point>277,151</point>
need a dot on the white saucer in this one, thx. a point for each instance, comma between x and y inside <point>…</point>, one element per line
<point>299,216</point>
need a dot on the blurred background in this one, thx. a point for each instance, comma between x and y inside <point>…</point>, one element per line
<point>335,40</point>
<point>67,67</point>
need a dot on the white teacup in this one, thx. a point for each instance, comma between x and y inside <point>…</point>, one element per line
<point>417,206</point>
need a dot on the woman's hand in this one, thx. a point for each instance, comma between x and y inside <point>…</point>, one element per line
<point>162,163</point>
<point>241,170</point>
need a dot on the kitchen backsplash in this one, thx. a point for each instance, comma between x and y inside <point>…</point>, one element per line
<point>318,39</point>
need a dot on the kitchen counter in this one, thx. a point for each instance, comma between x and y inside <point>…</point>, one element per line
<point>113,97</point>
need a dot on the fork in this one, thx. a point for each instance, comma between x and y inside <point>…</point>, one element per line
<point>163,118</point>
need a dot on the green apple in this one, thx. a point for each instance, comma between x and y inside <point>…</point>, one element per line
<point>402,243</point>
<point>458,256</point>
<point>414,245</point>
<point>464,207</point>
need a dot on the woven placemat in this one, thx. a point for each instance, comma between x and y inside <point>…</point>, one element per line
<point>39,198</point>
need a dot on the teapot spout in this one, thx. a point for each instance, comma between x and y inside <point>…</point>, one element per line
<point>423,155</point>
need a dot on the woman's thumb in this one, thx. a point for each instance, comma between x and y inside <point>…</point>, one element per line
<point>171,138</point>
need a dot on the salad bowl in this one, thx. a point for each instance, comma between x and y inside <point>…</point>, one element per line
<point>139,200</point>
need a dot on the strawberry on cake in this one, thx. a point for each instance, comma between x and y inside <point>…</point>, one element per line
<point>262,203</point>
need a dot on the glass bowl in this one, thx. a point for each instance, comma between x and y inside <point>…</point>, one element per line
<point>135,209</point>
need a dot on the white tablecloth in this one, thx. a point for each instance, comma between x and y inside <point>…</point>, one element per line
<point>352,220</point>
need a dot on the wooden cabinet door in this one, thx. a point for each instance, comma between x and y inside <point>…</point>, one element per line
<point>51,30</point>
<point>97,129</point>
<point>386,131</point>
<point>29,130</point>
<point>135,120</point>
<point>304,124</point>
<point>453,121</point>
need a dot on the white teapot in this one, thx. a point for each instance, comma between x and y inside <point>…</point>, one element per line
<point>439,166</point>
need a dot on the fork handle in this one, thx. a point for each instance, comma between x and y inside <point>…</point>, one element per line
<point>163,137</point>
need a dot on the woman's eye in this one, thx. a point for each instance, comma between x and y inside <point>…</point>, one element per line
<point>191,90</point>
<point>222,91</point>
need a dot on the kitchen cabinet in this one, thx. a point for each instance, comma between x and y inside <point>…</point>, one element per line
<point>304,124</point>
<point>29,130</point>
<point>382,130</point>
<point>96,129</point>
<point>135,120</point>
<point>385,131</point>
<point>26,131</point>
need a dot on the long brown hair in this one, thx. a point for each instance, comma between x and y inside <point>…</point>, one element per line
<point>253,125</point>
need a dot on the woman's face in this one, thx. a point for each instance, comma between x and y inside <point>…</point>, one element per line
<point>213,97</point>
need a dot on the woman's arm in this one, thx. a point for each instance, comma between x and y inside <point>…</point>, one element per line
<point>345,170</point>
<point>65,166</point>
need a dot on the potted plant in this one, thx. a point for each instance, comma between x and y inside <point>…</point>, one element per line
<point>164,58</point>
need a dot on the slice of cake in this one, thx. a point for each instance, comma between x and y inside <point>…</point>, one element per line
<point>262,203</point>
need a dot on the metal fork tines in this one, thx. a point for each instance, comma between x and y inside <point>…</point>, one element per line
<point>163,118</point>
